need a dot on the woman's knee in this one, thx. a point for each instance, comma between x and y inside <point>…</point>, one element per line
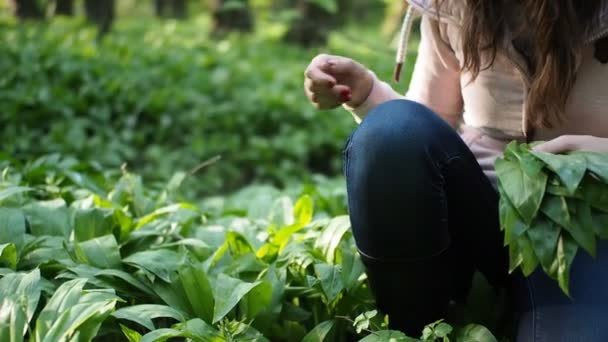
<point>395,131</point>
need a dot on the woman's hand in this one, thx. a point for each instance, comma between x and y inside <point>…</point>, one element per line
<point>567,143</point>
<point>331,81</point>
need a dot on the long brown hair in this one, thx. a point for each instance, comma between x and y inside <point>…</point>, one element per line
<point>557,29</point>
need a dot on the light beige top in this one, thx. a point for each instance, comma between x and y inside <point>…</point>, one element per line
<point>489,112</point>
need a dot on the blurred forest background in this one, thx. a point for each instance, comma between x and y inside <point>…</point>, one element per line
<point>211,88</point>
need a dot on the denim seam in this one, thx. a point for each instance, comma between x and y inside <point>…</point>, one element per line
<point>534,312</point>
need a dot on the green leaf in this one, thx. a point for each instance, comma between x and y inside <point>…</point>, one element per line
<point>130,334</point>
<point>173,294</point>
<point>475,333</point>
<point>331,237</point>
<point>19,295</point>
<point>544,235</point>
<point>566,251</point>
<point>600,224</point>
<point>388,336</point>
<point>303,210</point>
<point>161,335</point>
<point>363,321</point>
<point>112,276</point>
<point>145,313</point>
<point>529,259</point>
<point>12,227</point>
<point>597,163</point>
<point>319,333</point>
<point>198,291</point>
<point>13,319</point>
<point>13,190</point>
<point>510,220</point>
<point>583,227</point>
<point>352,269</point>
<point>92,223</point>
<point>569,168</point>
<point>100,252</point>
<point>8,255</point>
<point>257,300</point>
<point>228,292</point>
<point>595,193</point>
<point>73,311</point>
<point>49,218</point>
<point>161,262</point>
<point>331,280</point>
<point>524,192</point>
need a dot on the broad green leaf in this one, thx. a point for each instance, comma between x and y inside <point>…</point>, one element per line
<point>510,220</point>
<point>124,277</point>
<point>257,300</point>
<point>331,237</point>
<point>556,208</point>
<point>83,317</point>
<point>524,192</point>
<point>198,291</point>
<point>92,223</point>
<point>20,294</point>
<point>130,334</point>
<point>544,235</point>
<point>13,190</point>
<point>12,227</point>
<point>566,251</point>
<point>43,250</point>
<point>352,269</point>
<point>475,333</point>
<point>162,212</point>
<point>569,168</point>
<point>595,193</point>
<point>282,212</point>
<point>583,227</point>
<point>8,255</point>
<point>597,163</point>
<point>13,320</point>
<point>600,223</point>
<point>331,280</point>
<point>161,335</point>
<point>173,294</point>
<point>161,262</point>
<point>49,218</point>
<point>145,313</point>
<point>64,298</point>
<point>529,259</point>
<point>100,252</point>
<point>363,321</point>
<point>388,336</point>
<point>303,210</point>
<point>238,244</point>
<point>227,293</point>
<point>319,333</point>
<point>516,258</point>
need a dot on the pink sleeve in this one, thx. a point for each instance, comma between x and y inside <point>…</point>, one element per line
<point>435,81</point>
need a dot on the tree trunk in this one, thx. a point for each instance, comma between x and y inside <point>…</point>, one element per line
<point>100,13</point>
<point>28,9</point>
<point>312,27</point>
<point>171,8</point>
<point>64,7</point>
<point>234,17</point>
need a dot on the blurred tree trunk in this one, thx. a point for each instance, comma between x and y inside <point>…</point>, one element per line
<point>27,9</point>
<point>171,8</point>
<point>100,13</point>
<point>64,7</point>
<point>232,15</point>
<point>313,25</point>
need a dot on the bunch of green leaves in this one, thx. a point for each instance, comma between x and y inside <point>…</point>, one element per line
<point>87,252</point>
<point>550,206</point>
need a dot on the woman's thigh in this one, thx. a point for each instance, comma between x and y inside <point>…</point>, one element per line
<point>549,315</point>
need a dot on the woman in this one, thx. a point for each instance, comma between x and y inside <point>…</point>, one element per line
<point>420,167</point>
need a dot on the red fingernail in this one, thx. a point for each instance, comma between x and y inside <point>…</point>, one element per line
<point>346,95</point>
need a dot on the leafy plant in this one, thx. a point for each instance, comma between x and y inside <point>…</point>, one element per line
<point>109,258</point>
<point>550,205</point>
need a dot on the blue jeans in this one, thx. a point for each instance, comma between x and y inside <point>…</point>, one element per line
<point>425,217</point>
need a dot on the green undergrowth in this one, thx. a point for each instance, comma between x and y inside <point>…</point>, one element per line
<point>93,253</point>
<point>163,96</point>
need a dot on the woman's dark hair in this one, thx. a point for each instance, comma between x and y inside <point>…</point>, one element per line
<point>558,28</point>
